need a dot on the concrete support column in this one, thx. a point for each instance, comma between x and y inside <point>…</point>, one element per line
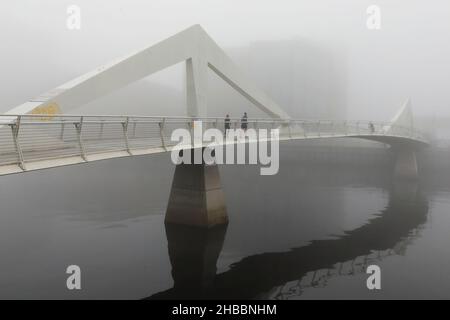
<point>196,197</point>
<point>406,164</point>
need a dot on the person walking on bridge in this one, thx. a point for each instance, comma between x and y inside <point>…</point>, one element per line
<point>371,127</point>
<point>227,124</point>
<point>244,122</point>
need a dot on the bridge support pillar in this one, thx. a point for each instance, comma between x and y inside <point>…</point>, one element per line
<point>406,165</point>
<point>196,197</point>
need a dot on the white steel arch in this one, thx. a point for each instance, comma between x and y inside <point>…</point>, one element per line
<point>192,45</point>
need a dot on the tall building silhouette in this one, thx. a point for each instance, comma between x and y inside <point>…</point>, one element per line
<point>305,78</point>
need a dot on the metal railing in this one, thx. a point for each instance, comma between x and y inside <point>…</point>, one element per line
<point>31,138</point>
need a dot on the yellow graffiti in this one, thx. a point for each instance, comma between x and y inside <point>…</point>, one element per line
<point>51,108</point>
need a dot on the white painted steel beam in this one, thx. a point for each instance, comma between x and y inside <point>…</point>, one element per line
<point>192,45</point>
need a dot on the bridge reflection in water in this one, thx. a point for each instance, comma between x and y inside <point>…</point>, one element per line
<point>194,253</point>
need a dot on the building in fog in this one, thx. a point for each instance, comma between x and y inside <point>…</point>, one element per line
<point>304,78</point>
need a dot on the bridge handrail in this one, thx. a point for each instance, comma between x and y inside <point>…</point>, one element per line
<point>35,137</point>
<point>50,118</point>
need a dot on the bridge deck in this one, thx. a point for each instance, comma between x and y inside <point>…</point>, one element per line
<point>31,142</point>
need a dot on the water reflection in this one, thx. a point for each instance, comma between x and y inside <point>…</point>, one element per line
<point>194,253</point>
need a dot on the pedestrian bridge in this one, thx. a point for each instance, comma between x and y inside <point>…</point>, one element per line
<point>31,142</point>
<point>41,134</point>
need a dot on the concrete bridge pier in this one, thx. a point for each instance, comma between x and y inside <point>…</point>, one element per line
<point>406,164</point>
<point>196,198</point>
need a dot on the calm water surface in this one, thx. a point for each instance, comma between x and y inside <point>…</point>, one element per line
<point>308,232</point>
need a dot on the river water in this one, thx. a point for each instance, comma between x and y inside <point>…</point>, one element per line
<point>308,232</point>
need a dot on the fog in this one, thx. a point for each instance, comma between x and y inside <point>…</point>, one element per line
<point>317,59</point>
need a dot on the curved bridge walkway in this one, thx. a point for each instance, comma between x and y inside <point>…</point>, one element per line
<point>31,142</point>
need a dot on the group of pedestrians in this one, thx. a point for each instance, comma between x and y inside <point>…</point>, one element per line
<point>244,122</point>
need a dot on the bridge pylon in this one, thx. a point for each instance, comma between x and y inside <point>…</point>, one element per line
<point>406,161</point>
<point>192,46</point>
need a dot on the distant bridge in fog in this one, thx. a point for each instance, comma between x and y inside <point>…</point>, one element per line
<point>38,135</point>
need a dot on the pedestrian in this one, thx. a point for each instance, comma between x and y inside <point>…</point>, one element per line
<point>227,122</point>
<point>244,122</point>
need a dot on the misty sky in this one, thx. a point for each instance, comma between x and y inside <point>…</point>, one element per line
<point>408,57</point>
